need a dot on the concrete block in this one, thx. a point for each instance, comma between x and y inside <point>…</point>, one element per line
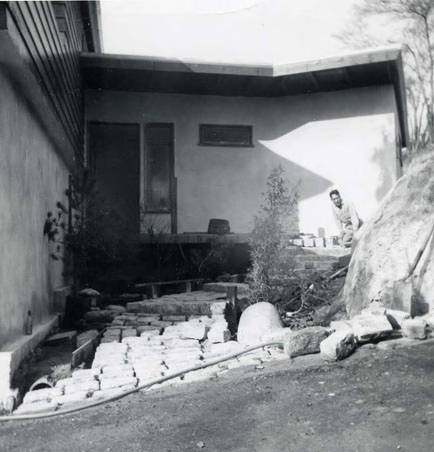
<point>218,308</point>
<point>150,333</point>
<point>219,333</point>
<point>338,345</point>
<point>414,328</point>
<point>125,370</point>
<point>371,327</point>
<point>174,342</point>
<point>227,348</point>
<point>116,382</point>
<point>133,340</point>
<point>74,397</point>
<point>42,394</point>
<point>37,407</point>
<point>81,386</point>
<point>340,325</point>
<point>83,374</point>
<point>193,331</point>
<point>180,366</point>
<point>130,332</point>
<point>305,341</point>
<point>110,339</point>
<point>144,328</point>
<point>113,392</point>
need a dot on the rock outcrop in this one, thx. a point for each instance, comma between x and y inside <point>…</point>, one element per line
<point>388,244</point>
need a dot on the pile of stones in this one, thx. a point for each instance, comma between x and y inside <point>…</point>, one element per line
<point>138,350</point>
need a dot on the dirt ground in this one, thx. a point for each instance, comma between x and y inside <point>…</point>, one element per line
<point>374,401</point>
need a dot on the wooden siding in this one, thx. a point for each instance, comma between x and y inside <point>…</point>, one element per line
<point>55,60</point>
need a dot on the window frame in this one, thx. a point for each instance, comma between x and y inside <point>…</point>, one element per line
<point>207,143</point>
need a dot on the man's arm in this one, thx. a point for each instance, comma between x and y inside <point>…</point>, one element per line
<point>355,221</point>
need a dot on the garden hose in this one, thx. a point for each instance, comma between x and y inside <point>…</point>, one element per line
<point>23,417</point>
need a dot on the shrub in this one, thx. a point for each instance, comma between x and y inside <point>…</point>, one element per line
<point>271,275</point>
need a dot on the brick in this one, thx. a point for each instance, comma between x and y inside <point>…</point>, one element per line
<point>109,340</point>
<point>150,333</point>
<point>116,382</point>
<point>130,332</point>
<point>36,407</point>
<point>371,327</point>
<point>81,386</point>
<point>74,397</point>
<point>107,393</point>
<point>219,333</point>
<point>42,394</point>
<point>180,343</point>
<point>83,374</point>
<point>414,328</point>
<point>125,370</point>
<point>146,328</point>
<point>218,308</point>
<point>193,331</point>
<point>338,345</point>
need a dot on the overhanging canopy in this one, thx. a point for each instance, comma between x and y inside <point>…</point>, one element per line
<point>145,74</point>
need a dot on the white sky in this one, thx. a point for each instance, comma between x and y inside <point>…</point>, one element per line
<point>255,31</point>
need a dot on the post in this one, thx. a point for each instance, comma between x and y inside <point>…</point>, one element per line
<point>231,313</point>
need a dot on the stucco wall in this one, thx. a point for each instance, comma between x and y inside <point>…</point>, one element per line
<point>343,139</point>
<point>32,180</point>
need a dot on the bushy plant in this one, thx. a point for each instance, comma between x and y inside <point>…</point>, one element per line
<point>271,275</point>
<point>90,238</point>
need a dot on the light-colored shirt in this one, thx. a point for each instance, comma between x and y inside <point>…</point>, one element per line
<point>346,216</point>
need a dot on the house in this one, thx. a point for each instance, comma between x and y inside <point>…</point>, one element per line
<point>172,144</point>
<point>41,142</point>
<point>176,143</point>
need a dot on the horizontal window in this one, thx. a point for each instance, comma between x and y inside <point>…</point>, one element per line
<point>225,135</point>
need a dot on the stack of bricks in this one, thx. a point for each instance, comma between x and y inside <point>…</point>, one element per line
<point>130,356</point>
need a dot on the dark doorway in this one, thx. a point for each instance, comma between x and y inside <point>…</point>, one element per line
<point>114,152</point>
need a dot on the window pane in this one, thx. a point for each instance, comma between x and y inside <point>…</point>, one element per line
<point>225,135</point>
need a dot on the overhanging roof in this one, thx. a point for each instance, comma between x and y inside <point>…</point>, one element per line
<point>148,74</point>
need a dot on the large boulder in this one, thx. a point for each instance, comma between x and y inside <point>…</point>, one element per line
<point>388,244</point>
<point>257,320</point>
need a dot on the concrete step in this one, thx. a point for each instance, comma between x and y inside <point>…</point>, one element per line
<point>222,287</point>
<point>188,303</point>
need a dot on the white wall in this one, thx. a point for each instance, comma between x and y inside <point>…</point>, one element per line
<point>32,179</point>
<point>343,139</point>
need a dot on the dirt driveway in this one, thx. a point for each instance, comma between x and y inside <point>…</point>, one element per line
<point>374,401</point>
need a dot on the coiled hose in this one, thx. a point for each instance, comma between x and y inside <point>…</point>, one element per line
<point>22,417</point>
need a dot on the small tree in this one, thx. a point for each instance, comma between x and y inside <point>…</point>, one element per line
<point>409,23</point>
<point>271,273</point>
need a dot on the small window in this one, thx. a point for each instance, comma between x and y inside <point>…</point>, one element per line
<point>225,135</point>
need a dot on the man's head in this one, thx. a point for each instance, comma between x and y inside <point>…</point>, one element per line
<point>335,196</point>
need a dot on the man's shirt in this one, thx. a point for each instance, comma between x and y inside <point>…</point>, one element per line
<point>346,216</point>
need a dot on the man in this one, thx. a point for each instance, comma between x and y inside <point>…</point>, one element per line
<point>346,218</point>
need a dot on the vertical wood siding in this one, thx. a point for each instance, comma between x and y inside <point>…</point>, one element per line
<point>54,60</point>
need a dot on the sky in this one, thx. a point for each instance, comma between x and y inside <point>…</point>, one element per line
<point>232,31</point>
